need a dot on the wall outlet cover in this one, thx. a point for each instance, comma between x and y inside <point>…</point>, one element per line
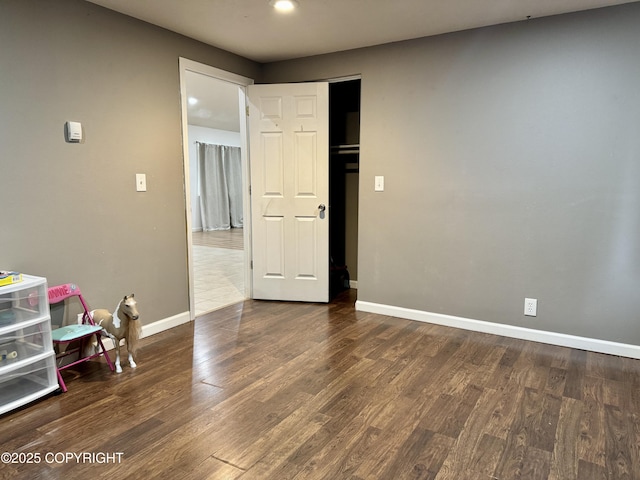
<point>530,307</point>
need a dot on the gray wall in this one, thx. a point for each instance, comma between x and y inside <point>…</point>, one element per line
<point>511,158</point>
<point>70,212</point>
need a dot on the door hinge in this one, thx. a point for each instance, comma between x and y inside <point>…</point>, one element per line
<point>249,189</point>
<point>247,107</point>
<point>251,264</point>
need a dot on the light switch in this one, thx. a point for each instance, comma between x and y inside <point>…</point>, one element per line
<point>379,184</point>
<point>141,182</point>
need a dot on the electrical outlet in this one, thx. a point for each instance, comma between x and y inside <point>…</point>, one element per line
<point>530,307</point>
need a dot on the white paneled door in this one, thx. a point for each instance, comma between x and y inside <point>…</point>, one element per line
<point>289,158</point>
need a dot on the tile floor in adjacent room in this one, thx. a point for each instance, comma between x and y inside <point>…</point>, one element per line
<point>218,277</point>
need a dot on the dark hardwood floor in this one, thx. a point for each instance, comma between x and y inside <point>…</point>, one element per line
<point>267,390</point>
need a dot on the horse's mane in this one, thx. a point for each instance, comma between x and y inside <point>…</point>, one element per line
<point>133,334</point>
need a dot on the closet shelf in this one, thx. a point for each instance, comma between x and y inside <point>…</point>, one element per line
<point>346,149</point>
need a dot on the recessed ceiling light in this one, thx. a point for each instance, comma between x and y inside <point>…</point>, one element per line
<point>283,5</point>
<point>192,100</point>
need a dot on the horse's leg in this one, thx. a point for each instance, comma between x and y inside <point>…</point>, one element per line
<point>132,364</point>
<point>116,344</point>
<point>131,336</point>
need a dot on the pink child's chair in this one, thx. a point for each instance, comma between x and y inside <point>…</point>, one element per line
<point>80,332</point>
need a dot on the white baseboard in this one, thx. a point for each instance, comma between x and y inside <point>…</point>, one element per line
<point>542,336</point>
<point>353,284</point>
<point>155,327</point>
<point>165,324</point>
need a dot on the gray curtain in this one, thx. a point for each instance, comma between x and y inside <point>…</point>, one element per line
<point>220,186</point>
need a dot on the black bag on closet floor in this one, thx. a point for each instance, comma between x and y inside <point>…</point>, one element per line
<point>339,280</point>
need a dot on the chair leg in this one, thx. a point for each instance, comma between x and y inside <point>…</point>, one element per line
<point>105,353</point>
<point>63,386</point>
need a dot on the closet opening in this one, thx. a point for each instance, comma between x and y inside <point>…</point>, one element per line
<point>344,163</point>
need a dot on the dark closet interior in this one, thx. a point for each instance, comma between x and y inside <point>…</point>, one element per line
<point>344,161</point>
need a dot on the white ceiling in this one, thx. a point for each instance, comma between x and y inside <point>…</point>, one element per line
<point>217,102</point>
<point>253,29</point>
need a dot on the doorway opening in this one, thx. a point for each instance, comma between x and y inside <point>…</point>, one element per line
<point>344,161</point>
<point>216,186</point>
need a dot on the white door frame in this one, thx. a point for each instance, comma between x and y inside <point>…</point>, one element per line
<point>242,82</point>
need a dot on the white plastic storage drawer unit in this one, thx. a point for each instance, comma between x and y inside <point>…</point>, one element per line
<point>27,359</point>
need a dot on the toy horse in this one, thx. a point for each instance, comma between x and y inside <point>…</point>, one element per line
<point>123,323</point>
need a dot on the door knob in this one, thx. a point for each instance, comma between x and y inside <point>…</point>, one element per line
<point>321,207</point>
